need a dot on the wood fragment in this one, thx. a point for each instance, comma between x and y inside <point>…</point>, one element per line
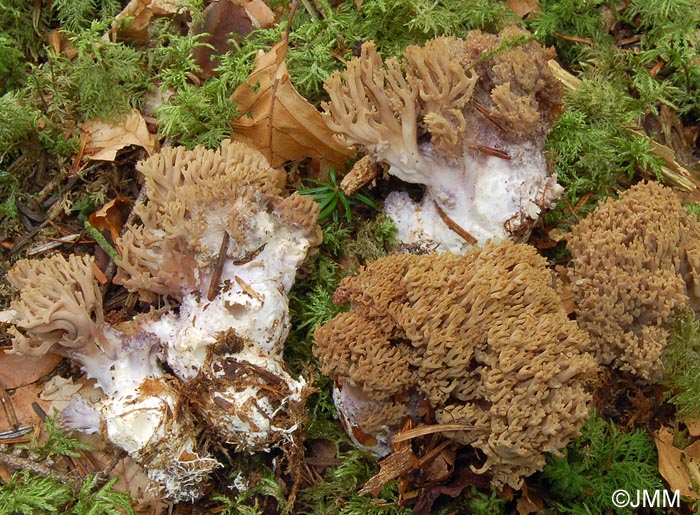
<point>364,171</point>
<point>218,268</point>
<point>250,256</point>
<point>391,467</point>
<point>454,226</point>
<point>490,151</point>
<point>428,430</point>
<point>482,109</point>
<point>249,289</point>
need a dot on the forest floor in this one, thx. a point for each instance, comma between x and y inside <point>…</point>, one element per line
<point>88,88</point>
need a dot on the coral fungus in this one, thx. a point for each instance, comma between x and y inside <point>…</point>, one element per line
<point>465,117</point>
<point>482,337</point>
<point>216,235</point>
<point>60,309</point>
<point>636,261</point>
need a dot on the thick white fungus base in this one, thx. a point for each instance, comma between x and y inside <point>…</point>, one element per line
<point>354,405</point>
<point>141,414</point>
<point>250,309</point>
<point>489,197</point>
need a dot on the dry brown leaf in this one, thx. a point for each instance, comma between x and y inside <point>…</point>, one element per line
<point>221,22</point>
<point>141,12</point>
<point>528,503</point>
<point>677,466</point>
<point>60,391</point>
<point>693,426</point>
<point>523,7</point>
<point>440,467</point>
<point>17,371</point>
<point>277,120</point>
<point>105,139</point>
<point>111,216</point>
<point>260,14</point>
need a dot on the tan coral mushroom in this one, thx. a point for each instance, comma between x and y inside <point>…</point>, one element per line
<point>142,412</point>
<point>175,246</point>
<point>217,235</point>
<point>483,337</point>
<point>634,265</point>
<point>465,117</point>
<point>50,314</point>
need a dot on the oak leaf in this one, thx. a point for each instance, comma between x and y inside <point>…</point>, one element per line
<point>139,13</point>
<point>104,139</point>
<point>277,120</point>
<point>111,216</point>
<point>680,468</point>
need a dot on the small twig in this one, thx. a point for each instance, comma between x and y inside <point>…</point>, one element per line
<point>16,463</point>
<point>250,257</point>
<point>490,151</point>
<point>309,9</point>
<point>574,39</point>
<point>486,114</point>
<point>96,235</point>
<point>55,210</point>
<point>454,226</point>
<point>433,453</point>
<point>103,475</point>
<point>218,268</point>
<point>428,430</point>
<point>289,19</point>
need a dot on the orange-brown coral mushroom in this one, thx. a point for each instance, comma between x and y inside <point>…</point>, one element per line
<point>635,262</point>
<point>465,117</point>
<point>483,337</point>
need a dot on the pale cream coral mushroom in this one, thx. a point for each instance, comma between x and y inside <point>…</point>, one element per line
<point>142,412</point>
<point>217,235</point>
<point>636,262</point>
<point>483,337</point>
<point>465,117</point>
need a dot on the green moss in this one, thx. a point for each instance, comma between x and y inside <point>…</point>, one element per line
<point>480,503</point>
<point>337,493</point>
<point>17,121</point>
<point>681,359</point>
<point>374,239</point>
<point>76,15</point>
<point>28,493</point>
<point>570,18</point>
<point>592,152</point>
<point>596,464</point>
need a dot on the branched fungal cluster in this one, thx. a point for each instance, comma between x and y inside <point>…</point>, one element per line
<point>465,117</point>
<point>482,337</point>
<point>216,235</point>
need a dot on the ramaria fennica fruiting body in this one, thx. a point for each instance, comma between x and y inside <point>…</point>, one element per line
<point>482,337</point>
<point>636,262</point>
<point>465,117</point>
<point>217,235</point>
<point>143,412</point>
